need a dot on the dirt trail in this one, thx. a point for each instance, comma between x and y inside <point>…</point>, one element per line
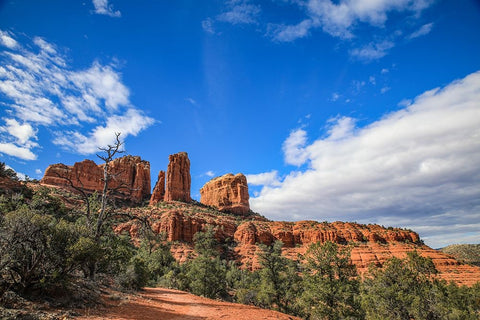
<point>159,303</point>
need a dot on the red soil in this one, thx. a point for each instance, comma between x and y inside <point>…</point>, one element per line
<point>160,303</point>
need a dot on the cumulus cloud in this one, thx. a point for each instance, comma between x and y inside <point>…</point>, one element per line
<point>40,89</point>
<point>17,139</point>
<point>13,150</point>
<point>22,132</point>
<point>103,7</point>
<point>264,179</point>
<point>417,167</point>
<point>294,148</point>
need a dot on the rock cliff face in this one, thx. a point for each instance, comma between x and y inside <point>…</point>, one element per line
<point>159,190</point>
<point>228,193</point>
<point>294,234</point>
<point>130,177</point>
<point>371,244</point>
<point>178,178</point>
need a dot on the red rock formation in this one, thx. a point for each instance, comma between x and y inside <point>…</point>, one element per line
<point>371,244</point>
<point>85,174</point>
<point>130,177</point>
<point>159,190</point>
<point>307,232</point>
<point>228,193</point>
<point>178,178</point>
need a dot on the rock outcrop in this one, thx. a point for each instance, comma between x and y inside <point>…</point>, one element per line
<point>178,178</point>
<point>299,233</point>
<point>228,193</point>
<point>159,190</point>
<point>370,244</point>
<point>130,177</point>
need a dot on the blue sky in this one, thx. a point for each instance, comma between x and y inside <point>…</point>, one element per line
<point>353,110</point>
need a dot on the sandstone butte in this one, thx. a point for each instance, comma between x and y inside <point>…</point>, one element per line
<point>371,244</point>
<point>228,193</point>
<point>130,177</point>
<point>178,178</point>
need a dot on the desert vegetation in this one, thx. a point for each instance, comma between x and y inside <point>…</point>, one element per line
<point>468,253</point>
<point>50,250</point>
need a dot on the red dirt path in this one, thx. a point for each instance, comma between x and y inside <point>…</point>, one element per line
<point>160,303</point>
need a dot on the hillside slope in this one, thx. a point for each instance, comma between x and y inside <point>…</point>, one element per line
<point>468,253</point>
<point>371,244</point>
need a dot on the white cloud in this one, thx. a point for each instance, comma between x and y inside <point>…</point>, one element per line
<point>7,41</point>
<point>340,128</point>
<point>384,71</point>
<point>339,18</point>
<point>240,12</point>
<point>264,179</point>
<point>101,82</point>
<point>424,30</point>
<point>417,167</point>
<point>294,148</point>
<point>207,26</point>
<point>192,101</point>
<point>17,139</point>
<point>22,132</point>
<point>372,51</point>
<point>103,7</point>
<point>41,89</point>
<point>288,33</point>
<point>210,173</point>
<point>16,151</point>
<point>334,97</point>
<point>130,123</point>
<point>384,89</point>
<point>38,171</point>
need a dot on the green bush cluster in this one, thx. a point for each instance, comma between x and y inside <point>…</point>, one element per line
<point>44,247</point>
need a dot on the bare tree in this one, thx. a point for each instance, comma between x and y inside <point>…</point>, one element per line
<point>96,222</point>
<point>109,153</point>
